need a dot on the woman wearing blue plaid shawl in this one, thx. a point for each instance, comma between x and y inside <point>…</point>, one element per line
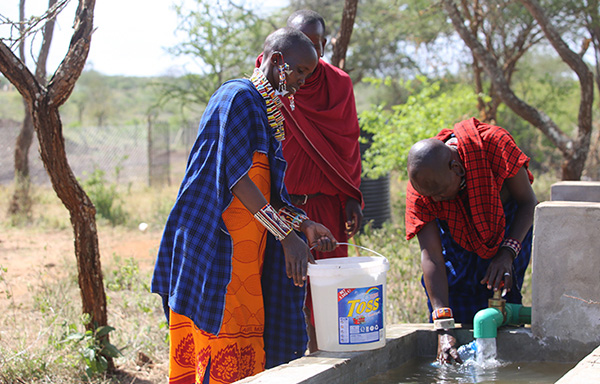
<point>232,202</point>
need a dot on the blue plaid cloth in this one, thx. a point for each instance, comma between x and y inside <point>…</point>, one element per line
<point>193,265</point>
<point>465,270</point>
<point>285,326</point>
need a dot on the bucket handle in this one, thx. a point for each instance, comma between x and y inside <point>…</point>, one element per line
<point>357,246</point>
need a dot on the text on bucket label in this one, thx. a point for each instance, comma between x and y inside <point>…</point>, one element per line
<point>360,314</point>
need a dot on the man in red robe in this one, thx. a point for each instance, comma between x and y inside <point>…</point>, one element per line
<point>323,179</point>
<point>321,146</point>
<point>471,205</point>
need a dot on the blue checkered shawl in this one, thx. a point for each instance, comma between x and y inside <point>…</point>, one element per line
<point>285,325</point>
<point>193,266</point>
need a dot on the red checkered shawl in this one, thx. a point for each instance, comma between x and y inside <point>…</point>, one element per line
<point>475,217</point>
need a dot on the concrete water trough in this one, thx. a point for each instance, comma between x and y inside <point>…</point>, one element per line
<point>408,341</point>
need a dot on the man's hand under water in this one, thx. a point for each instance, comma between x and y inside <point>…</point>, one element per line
<point>447,348</point>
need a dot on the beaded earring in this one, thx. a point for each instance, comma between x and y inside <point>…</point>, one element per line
<point>283,68</point>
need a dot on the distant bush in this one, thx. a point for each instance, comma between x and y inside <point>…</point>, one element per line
<point>105,197</point>
<point>428,109</point>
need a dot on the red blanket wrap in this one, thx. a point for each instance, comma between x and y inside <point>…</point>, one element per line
<point>476,217</point>
<point>322,150</point>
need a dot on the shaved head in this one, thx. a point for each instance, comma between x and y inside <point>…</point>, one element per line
<point>287,40</point>
<point>312,25</point>
<point>303,18</point>
<point>290,53</point>
<point>433,170</point>
<point>428,154</point>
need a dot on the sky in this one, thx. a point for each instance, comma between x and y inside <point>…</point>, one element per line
<point>130,38</point>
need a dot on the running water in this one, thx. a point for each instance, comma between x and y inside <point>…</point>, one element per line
<point>486,352</point>
<point>480,352</point>
<point>421,370</point>
<point>479,366</point>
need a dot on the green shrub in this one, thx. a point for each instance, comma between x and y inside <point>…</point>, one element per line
<point>428,109</point>
<point>94,348</point>
<point>105,197</point>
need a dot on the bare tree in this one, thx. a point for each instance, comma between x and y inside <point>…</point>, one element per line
<point>44,102</point>
<point>575,150</point>
<point>507,34</point>
<point>592,24</point>
<point>342,40</point>
<point>21,200</point>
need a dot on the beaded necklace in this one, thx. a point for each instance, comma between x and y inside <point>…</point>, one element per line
<point>273,103</point>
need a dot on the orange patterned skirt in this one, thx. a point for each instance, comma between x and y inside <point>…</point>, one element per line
<point>238,350</point>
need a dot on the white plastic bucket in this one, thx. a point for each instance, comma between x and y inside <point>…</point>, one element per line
<point>349,297</point>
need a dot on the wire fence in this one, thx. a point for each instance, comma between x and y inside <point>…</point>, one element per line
<point>149,154</point>
<point>153,153</point>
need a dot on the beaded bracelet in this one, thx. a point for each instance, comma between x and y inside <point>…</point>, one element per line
<point>273,222</point>
<point>292,217</point>
<point>442,313</point>
<point>513,244</point>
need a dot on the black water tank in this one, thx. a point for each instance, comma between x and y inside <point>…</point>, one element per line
<point>376,194</point>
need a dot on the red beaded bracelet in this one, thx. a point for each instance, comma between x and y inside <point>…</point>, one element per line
<point>292,217</point>
<point>442,313</point>
<point>513,244</point>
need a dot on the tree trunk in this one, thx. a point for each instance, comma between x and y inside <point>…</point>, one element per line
<point>81,209</point>
<point>21,200</point>
<point>340,46</point>
<point>574,151</point>
<point>23,144</point>
<point>44,103</point>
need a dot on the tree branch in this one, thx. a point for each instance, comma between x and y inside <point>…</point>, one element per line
<point>576,63</point>
<point>47,34</point>
<point>341,44</point>
<point>537,118</point>
<point>18,74</point>
<point>31,26</point>
<point>62,83</point>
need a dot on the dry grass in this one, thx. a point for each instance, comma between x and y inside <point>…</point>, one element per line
<point>40,302</point>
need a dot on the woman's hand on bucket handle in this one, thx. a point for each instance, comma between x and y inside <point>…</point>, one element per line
<point>297,257</point>
<point>319,237</point>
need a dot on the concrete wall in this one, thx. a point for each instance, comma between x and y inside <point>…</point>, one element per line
<point>566,272</point>
<point>575,191</point>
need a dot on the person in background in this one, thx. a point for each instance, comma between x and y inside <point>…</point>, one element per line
<point>231,203</point>
<point>471,205</point>
<point>323,179</point>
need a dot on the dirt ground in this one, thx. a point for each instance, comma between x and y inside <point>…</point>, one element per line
<point>27,254</point>
<point>28,258</point>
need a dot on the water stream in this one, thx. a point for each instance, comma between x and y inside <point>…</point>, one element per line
<point>484,353</point>
<point>479,366</point>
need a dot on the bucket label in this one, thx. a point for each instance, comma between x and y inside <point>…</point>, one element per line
<point>360,314</point>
